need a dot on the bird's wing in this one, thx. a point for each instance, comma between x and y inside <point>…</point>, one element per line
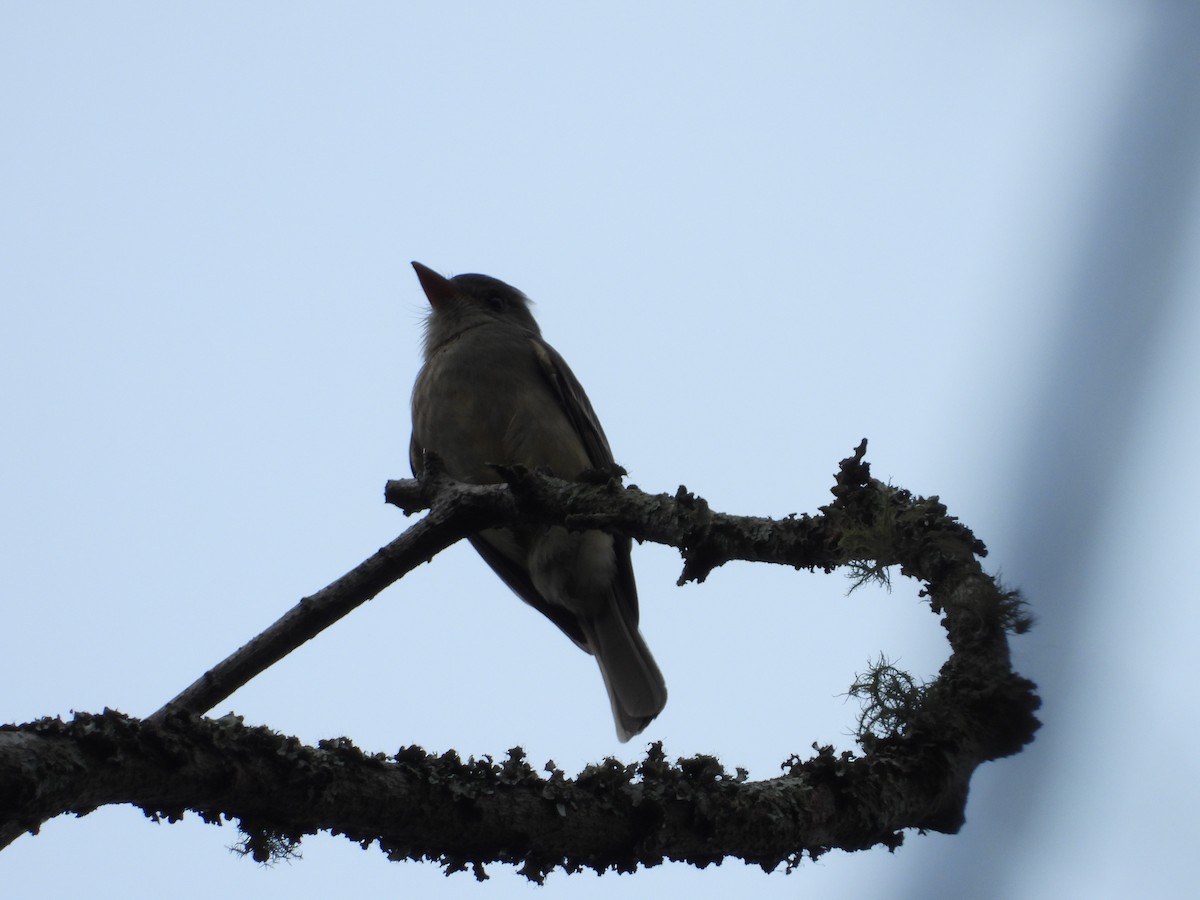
<point>579,410</point>
<point>574,403</point>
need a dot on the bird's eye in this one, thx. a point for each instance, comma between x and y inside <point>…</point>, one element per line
<point>495,302</point>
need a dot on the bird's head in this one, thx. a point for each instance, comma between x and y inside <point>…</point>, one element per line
<point>467,301</point>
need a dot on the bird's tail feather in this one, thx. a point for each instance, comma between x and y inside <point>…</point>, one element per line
<point>636,688</point>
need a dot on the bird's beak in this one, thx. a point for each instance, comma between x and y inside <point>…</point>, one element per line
<point>439,290</point>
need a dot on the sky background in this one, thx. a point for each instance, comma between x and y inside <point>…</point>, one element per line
<point>759,232</point>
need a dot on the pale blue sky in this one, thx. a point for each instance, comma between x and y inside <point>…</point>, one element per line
<point>758,232</point>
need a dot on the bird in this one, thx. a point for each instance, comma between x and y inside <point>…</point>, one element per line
<point>491,392</point>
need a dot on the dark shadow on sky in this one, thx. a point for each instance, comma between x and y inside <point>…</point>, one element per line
<point>1118,300</point>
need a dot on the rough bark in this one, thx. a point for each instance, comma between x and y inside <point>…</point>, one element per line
<point>913,772</point>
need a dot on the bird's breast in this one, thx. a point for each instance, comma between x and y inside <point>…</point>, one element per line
<point>483,400</point>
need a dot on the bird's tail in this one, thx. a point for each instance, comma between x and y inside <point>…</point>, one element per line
<point>636,688</point>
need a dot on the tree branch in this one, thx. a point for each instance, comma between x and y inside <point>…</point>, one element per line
<point>914,771</point>
<point>456,510</point>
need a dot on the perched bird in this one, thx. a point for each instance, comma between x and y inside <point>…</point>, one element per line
<point>492,391</point>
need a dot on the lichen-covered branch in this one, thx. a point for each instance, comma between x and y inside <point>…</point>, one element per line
<point>913,772</point>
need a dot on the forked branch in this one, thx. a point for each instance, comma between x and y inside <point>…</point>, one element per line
<point>913,773</point>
